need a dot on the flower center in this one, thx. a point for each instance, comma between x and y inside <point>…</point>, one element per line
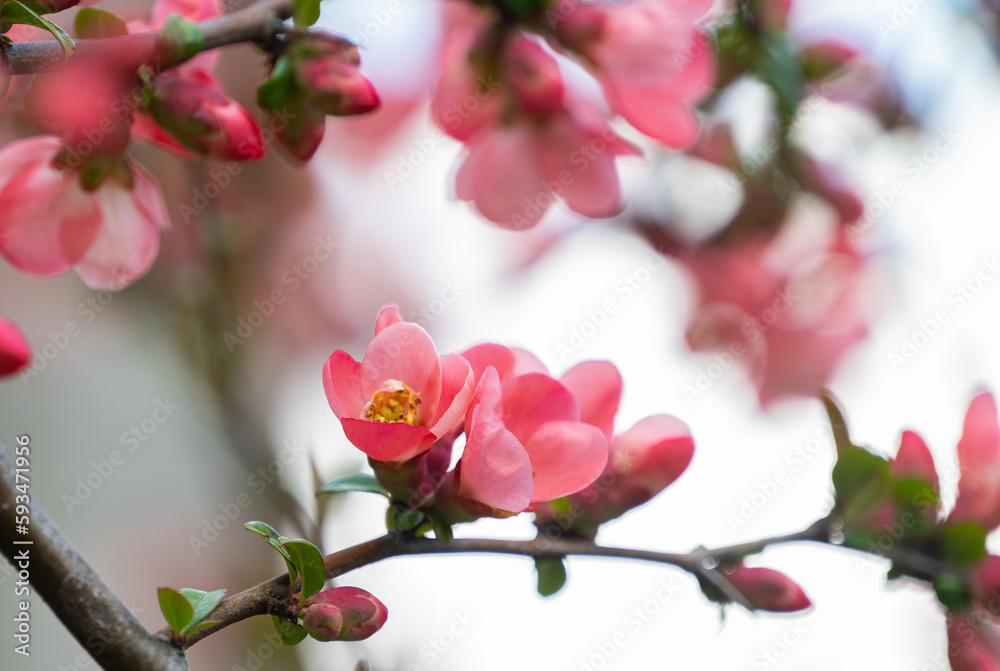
<point>394,402</point>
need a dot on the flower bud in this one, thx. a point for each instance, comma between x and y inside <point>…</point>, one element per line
<point>343,614</point>
<point>767,589</point>
<point>329,73</point>
<point>15,353</point>
<point>197,111</point>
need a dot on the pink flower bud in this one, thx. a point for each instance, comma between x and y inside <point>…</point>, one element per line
<point>15,353</point>
<point>329,73</point>
<point>823,59</point>
<point>534,78</point>
<point>768,589</point>
<point>979,462</point>
<point>343,614</point>
<point>197,111</point>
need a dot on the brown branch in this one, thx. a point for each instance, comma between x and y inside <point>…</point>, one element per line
<point>83,602</point>
<point>259,22</point>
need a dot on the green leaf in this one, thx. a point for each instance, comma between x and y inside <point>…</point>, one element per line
<point>176,609</point>
<point>862,480</point>
<point>179,40</point>
<point>837,422</point>
<point>202,602</point>
<point>306,12</point>
<point>195,628</point>
<point>290,632</point>
<point>354,483</point>
<point>12,12</point>
<point>262,528</point>
<point>963,543</point>
<point>274,92</point>
<point>308,561</point>
<point>551,575</point>
<point>401,518</point>
<point>950,591</point>
<point>442,530</point>
<point>92,23</point>
<point>779,69</point>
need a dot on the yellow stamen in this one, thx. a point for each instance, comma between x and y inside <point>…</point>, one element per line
<point>394,402</point>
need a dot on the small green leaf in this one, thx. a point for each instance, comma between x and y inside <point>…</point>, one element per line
<point>276,543</point>
<point>176,609</point>
<point>950,591</point>
<point>963,543</point>
<point>202,602</point>
<point>179,40</point>
<point>861,480</point>
<point>442,530</point>
<point>837,422</point>
<point>274,92</point>
<point>12,12</point>
<point>92,23</point>
<point>306,12</point>
<point>289,632</point>
<point>354,483</point>
<point>262,528</point>
<point>308,561</point>
<point>401,518</point>
<point>551,575</point>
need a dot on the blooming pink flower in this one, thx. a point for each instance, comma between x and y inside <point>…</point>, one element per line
<point>643,461</point>
<point>529,141</point>
<point>767,589</point>
<point>650,58</point>
<point>110,235</point>
<point>15,352</point>
<point>402,396</point>
<point>343,614</point>
<point>788,318</point>
<point>979,461</point>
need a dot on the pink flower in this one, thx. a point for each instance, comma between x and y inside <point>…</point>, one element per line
<point>402,396</point>
<point>767,589</point>
<point>343,614</point>
<point>650,58</point>
<point>788,314</point>
<point>529,141</point>
<point>643,461</point>
<point>15,352</point>
<point>51,223</point>
<point>973,644</point>
<point>526,444</point>
<point>979,462</point>
<point>195,109</point>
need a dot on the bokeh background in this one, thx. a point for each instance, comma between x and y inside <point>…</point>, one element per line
<point>248,421</point>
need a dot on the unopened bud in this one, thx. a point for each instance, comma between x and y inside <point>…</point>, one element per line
<point>343,614</point>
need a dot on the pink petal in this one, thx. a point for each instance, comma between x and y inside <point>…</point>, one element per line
<point>656,451</point>
<point>480,357</point>
<point>526,362</point>
<point>387,316</point>
<point>15,352</point>
<point>457,385</point>
<point>597,388</point>
<point>49,221</point>
<point>566,457</point>
<point>501,174</point>
<point>342,382</point>
<point>979,462</point>
<point>972,643</point>
<point>387,441</point>
<point>768,589</point>
<point>404,352</point>
<point>588,183</point>
<point>531,400</point>
<point>914,460</point>
<point>129,239</point>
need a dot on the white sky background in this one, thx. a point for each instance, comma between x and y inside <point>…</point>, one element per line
<point>931,238</point>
